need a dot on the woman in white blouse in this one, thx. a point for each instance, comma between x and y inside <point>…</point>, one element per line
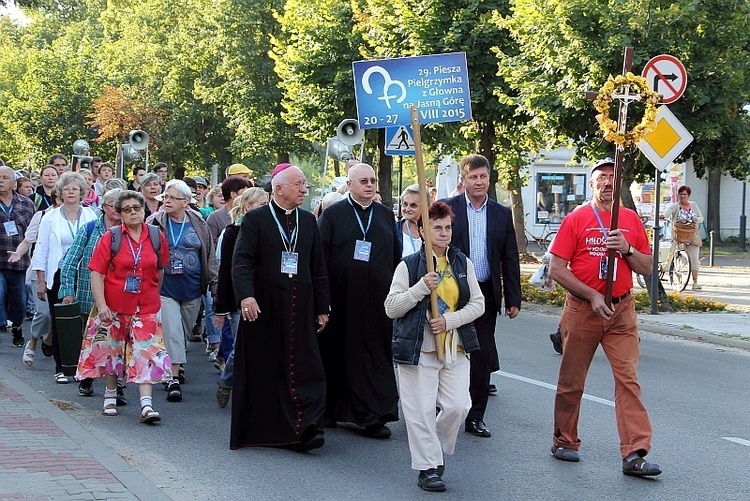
<point>56,233</point>
<point>407,227</point>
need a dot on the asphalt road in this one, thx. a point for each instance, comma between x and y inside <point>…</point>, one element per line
<point>697,396</point>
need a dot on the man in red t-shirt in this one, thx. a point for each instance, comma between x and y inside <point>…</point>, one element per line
<point>579,263</point>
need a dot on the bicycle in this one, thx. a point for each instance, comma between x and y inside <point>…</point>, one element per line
<point>548,234</point>
<point>677,264</point>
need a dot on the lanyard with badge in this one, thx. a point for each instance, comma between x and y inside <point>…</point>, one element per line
<point>133,280</point>
<point>362,247</point>
<point>175,263</point>
<point>603,262</point>
<point>70,226</point>
<point>289,256</point>
<point>10,226</point>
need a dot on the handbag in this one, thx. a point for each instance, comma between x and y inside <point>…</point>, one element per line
<point>539,279</point>
<point>697,240</point>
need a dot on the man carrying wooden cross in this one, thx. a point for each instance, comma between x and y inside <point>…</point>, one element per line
<point>580,260</point>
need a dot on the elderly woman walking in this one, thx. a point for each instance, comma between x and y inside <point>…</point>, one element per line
<point>57,231</point>
<point>192,270</point>
<point>124,334</point>
<point>424,380</point>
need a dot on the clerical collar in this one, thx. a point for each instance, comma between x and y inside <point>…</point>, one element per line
<point>364,207</point>
<point>286,211</point>
<point>469,204</point>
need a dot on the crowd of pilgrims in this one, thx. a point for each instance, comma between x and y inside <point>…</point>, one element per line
<point>303,314</point>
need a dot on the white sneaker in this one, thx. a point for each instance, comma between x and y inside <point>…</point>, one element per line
<point>697,286</point>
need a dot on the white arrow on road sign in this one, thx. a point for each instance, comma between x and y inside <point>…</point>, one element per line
<point>667,76</point>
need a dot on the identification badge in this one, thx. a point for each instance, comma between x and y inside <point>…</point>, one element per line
<point>289,261</point>
<point>132,283</point>
<point>603,269</point>
<point>362,250</point>
<point>10,228</point>
<point>176,266</point>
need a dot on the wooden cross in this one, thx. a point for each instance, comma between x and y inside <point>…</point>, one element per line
<point>625,98</point>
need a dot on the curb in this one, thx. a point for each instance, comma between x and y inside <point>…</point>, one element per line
<point>132,479</point>
<point>653,326</point>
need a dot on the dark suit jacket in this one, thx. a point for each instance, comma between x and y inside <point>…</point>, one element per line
<point>505,269</point>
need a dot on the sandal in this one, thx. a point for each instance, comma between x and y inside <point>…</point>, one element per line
<point>46,349</point>
<point>28,355</point>
<point>60,378</point>
<point>110,407</point>
<point>149,415</point>
<point>639,467</point>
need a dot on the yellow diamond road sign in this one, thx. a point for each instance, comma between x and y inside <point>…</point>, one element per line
<point>670,138</point>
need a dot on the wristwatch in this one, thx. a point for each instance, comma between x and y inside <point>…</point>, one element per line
<point>630,251</point>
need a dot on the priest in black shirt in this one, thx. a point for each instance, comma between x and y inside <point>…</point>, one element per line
<point>362,249</point>
<point>280,276</point>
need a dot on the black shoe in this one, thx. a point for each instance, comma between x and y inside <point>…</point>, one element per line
<point>181,375</point>
<point>330,423</point>
<point>478,428</point>
<point>556,339</point>
<point>121,400</point>
<point>316,441</point>
<point>639,467</point>
<point>223,395</point>
<point>18,340</point>
<point>377,431</point>
<point>174,391</point>
<point>493,390</point>
<point>565,454</point>
<point>86,387</point>
<point>429,480</point>
<point>46,349</point>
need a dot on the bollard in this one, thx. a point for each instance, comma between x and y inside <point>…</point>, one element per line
<point>711,247</point>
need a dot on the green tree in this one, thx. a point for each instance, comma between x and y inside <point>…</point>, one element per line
<point>569,46</point>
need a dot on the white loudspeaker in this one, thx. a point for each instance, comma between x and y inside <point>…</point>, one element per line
<point>349,133</point>
<point>130,154</point>
<point>85,162</point>
<point>138,139</point>
<point>80,147</point>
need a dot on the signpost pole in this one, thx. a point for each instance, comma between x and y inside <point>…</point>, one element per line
<point>424,201</point>
<point>655,253</point>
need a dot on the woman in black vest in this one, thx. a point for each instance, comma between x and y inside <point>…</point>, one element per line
<point>423,378</point>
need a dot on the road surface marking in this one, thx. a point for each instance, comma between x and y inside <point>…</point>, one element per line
<point>736,440</point>
<point>553,387</point>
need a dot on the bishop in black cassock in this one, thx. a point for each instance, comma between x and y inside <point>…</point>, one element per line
<point>278,395</point>
<point>356,344</point>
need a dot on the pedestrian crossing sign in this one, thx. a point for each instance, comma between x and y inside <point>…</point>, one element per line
<point>399,140</point>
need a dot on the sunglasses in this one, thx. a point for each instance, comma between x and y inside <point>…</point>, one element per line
<point>131,208</point>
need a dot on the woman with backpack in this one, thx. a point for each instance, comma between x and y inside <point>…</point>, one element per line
<point>124,330</point>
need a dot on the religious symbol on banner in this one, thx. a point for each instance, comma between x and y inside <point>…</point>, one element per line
<point>626,89</point>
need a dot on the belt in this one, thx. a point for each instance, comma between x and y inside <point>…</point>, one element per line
<point>615,300</point>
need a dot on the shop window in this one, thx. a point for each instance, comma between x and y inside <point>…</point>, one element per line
<point>557,195</point>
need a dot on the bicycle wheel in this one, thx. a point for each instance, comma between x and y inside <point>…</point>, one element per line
<point>547,239</point>
<point>679,271</point>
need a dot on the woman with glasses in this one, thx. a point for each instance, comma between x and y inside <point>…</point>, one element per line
<point>408,233</point>
<point>191,271</point>
<point>56,234</point>
<point>123,334</point>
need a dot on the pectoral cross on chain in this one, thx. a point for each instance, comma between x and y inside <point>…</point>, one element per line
<point>625,98</point>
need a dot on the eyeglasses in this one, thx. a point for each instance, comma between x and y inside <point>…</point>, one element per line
<point>170,197</point>
<point>131,208</point>
<point>297,185</point>
<point>111,206</point>
<point>365,181</point>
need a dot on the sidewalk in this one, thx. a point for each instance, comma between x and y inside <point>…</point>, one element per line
<point>728,281</point>
<point>45,454</point>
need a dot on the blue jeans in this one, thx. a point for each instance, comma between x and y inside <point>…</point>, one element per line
<point>227,375</point>
<point>212,333</point>
<point>12,284</point>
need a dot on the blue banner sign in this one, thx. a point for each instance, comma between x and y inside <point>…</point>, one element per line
<point>438,85</point>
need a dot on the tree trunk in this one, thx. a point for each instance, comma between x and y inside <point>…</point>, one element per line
<point>626,197</point>
<point>516,206</point>
<point>713,210</point>
<point>385,171</point>
<point>282,158</point>
<point>487,148</point>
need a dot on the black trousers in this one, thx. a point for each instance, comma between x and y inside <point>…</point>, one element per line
<point>485,361</point>
<point>51,300</point>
